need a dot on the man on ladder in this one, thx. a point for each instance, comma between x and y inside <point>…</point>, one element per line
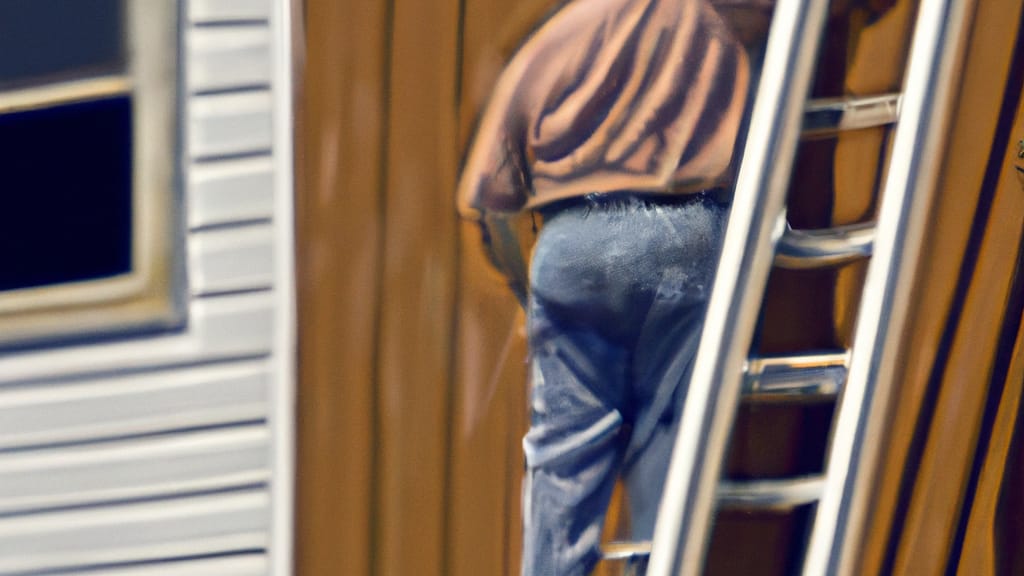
<point>617,121</point>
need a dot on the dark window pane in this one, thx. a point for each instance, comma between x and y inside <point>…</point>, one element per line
<point>56,39</point>
<point>65,193</point>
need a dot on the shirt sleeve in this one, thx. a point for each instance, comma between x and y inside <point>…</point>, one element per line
<point>495,176</point>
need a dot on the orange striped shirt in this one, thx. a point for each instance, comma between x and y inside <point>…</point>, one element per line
<point>610,95</point>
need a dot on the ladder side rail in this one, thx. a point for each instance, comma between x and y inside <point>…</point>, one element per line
<point>929,90</point>
<point>756,222</point>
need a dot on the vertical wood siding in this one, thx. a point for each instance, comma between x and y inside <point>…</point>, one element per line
<point>412,379</point>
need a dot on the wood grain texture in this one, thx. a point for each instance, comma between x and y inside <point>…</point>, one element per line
<point>941,479</point>
<point>992,542</point>
<point>488,423</point>
<point>418,290</point>
<point>878,58</point>
<point>981,554</point>
<point>970,140</point>
<point>340,150</point>
<point>379,486</point>
<point>490,370</point>
<point>980,549</point>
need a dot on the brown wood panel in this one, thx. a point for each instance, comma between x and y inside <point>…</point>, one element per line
<point>942,476</point>
<point>419,289</point>
<point>969,146</point>
<point>491,374</point>
<point>876,67</point>
<point>486,455</point>
<point>379,489</point>
<point>341,107</point>
<point>1009,520</point>
<point>979,552</point>
<point>490,370</point>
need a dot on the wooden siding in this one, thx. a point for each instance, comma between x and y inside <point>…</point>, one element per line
<point>412,377</point>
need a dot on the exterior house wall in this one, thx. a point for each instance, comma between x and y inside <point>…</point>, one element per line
<point>170,452</point>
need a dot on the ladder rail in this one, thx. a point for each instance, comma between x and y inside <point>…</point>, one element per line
<point>936,51</point>
<point>756,222</point>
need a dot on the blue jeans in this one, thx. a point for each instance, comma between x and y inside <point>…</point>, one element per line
<point>619,287</point>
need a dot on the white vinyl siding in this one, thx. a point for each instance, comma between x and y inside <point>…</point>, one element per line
<point>160,454</point>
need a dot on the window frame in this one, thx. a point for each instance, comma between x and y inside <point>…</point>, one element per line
<point>151,294</point>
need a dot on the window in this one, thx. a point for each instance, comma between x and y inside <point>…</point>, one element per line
<point>88,150</point>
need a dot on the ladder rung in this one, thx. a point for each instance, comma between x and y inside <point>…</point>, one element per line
<point>784,494</point>
<point>686,512</point>
<point>633,555</point>
<point>829,116</point>
<point>777,377</point>
<point>627,550</point>
<point>804,249</point>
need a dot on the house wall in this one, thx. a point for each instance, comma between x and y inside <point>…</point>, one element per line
<point>170,453</point>
<point>412,379</point>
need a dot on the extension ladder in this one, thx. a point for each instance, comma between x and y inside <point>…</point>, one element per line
<point>758,237</point>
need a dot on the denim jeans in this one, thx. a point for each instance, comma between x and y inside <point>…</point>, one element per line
<point>618,291</point>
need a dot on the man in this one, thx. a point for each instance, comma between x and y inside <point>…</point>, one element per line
<point>616,121</point>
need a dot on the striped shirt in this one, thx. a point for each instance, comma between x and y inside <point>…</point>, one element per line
<point>607,96</point>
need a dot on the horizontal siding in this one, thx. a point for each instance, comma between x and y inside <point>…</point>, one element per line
<point>151,467</point>
<point>200,525</point>
<point>229,125</point>
<point>220,329</point>
<point>223,192</point>
<point>221,11</point>
<point>231,259</point>
<point>240,565</point>
<point>94,409</point>
<point>151,455</point>
<point>226,58</point>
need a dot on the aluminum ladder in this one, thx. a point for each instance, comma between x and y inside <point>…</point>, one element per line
<point>757,237</point>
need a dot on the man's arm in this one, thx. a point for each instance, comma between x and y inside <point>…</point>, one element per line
<point>503,242</point>
<point>495,204</point>
<point>494,186</point>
